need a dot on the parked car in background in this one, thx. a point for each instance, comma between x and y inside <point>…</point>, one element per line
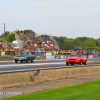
<point>15,45</point>
<point>78,59</point>
<point>24,56</point>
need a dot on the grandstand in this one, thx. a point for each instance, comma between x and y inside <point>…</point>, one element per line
<point>34,42</point>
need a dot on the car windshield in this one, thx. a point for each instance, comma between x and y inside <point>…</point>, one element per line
<point>75,55</point>
<point>22,53</point>
<point>15,45</point>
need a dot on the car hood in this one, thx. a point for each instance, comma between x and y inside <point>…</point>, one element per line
<point>75,57</point>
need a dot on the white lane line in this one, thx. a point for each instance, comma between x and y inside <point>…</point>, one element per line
<point>32,64</point>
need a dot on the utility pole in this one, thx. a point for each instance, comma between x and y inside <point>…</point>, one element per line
<point>4,33</point>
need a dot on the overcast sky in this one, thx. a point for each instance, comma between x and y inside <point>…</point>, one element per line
<point>70,18</point>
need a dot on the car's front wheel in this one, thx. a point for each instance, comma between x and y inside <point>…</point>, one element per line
<point>67,63</point>
<point>15,61</point>
<point>26,60</point>
<point>85,63</point>
<point>72,63</point>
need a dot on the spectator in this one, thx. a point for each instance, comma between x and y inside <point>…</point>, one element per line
<point>24,37</point>
<point>87,53</point>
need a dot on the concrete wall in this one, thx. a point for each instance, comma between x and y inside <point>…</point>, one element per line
<point>10,79</point>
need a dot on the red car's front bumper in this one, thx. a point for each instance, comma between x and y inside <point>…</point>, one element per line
<point>73,61</point>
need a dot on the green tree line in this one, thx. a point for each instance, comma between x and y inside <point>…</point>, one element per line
<point>84,42</point>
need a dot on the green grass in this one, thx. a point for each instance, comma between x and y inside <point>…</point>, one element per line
<point>85,91</point>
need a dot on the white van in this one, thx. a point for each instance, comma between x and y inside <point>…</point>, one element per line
<point>15,45</point>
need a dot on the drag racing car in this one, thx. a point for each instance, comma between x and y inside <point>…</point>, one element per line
<point>78,59</point>
<point>24,56</point>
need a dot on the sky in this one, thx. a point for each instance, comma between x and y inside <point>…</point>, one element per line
<point>67,18</point>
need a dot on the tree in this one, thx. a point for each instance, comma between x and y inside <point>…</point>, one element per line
<point>5,34</point>
<point>10,37</point>
<point>84,42</point>
<point>30,32</point>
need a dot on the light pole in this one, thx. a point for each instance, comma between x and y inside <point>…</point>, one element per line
<point>4,32</point>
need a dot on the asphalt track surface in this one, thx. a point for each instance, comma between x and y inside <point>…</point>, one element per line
<point>37,64</point>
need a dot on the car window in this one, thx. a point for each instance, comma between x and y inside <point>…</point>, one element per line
<point>30,53</point>
<point>22,53</point>
<point>25,53</point>
<point>75,55</point>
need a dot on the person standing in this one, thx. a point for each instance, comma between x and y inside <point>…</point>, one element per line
<point>87,53</point>
<point>16,31</point>
<point>21,32</point>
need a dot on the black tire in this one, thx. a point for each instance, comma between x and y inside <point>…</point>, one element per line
<point>85,63</point>
<point>26,60</point>
<point>72,63</point>
<point>80,63</point>
<point>31,61</point>
<point>15,61</point>
<point>22,61</point>
<point>67,63</point>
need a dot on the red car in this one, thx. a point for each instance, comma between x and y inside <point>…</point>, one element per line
<point>78,59</point>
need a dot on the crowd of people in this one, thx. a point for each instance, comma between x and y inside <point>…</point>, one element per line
<point>44,43</point>
<point>80,52</point>
<point>28,43</point>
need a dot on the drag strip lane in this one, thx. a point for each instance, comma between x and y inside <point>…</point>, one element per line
<point>30,64</point>
<point>38,65</point>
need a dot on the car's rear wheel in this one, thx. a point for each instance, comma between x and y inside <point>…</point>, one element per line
<point>22,61</point>
<point>26,60</point>
<point>31,61</point>
<point>15,61</point>
<point>67,63</point>
<point>72,63</point>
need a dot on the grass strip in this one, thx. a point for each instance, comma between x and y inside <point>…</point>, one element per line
<point>85,91</point>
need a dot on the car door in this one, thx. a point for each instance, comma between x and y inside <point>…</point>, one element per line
<point>30,56</point>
